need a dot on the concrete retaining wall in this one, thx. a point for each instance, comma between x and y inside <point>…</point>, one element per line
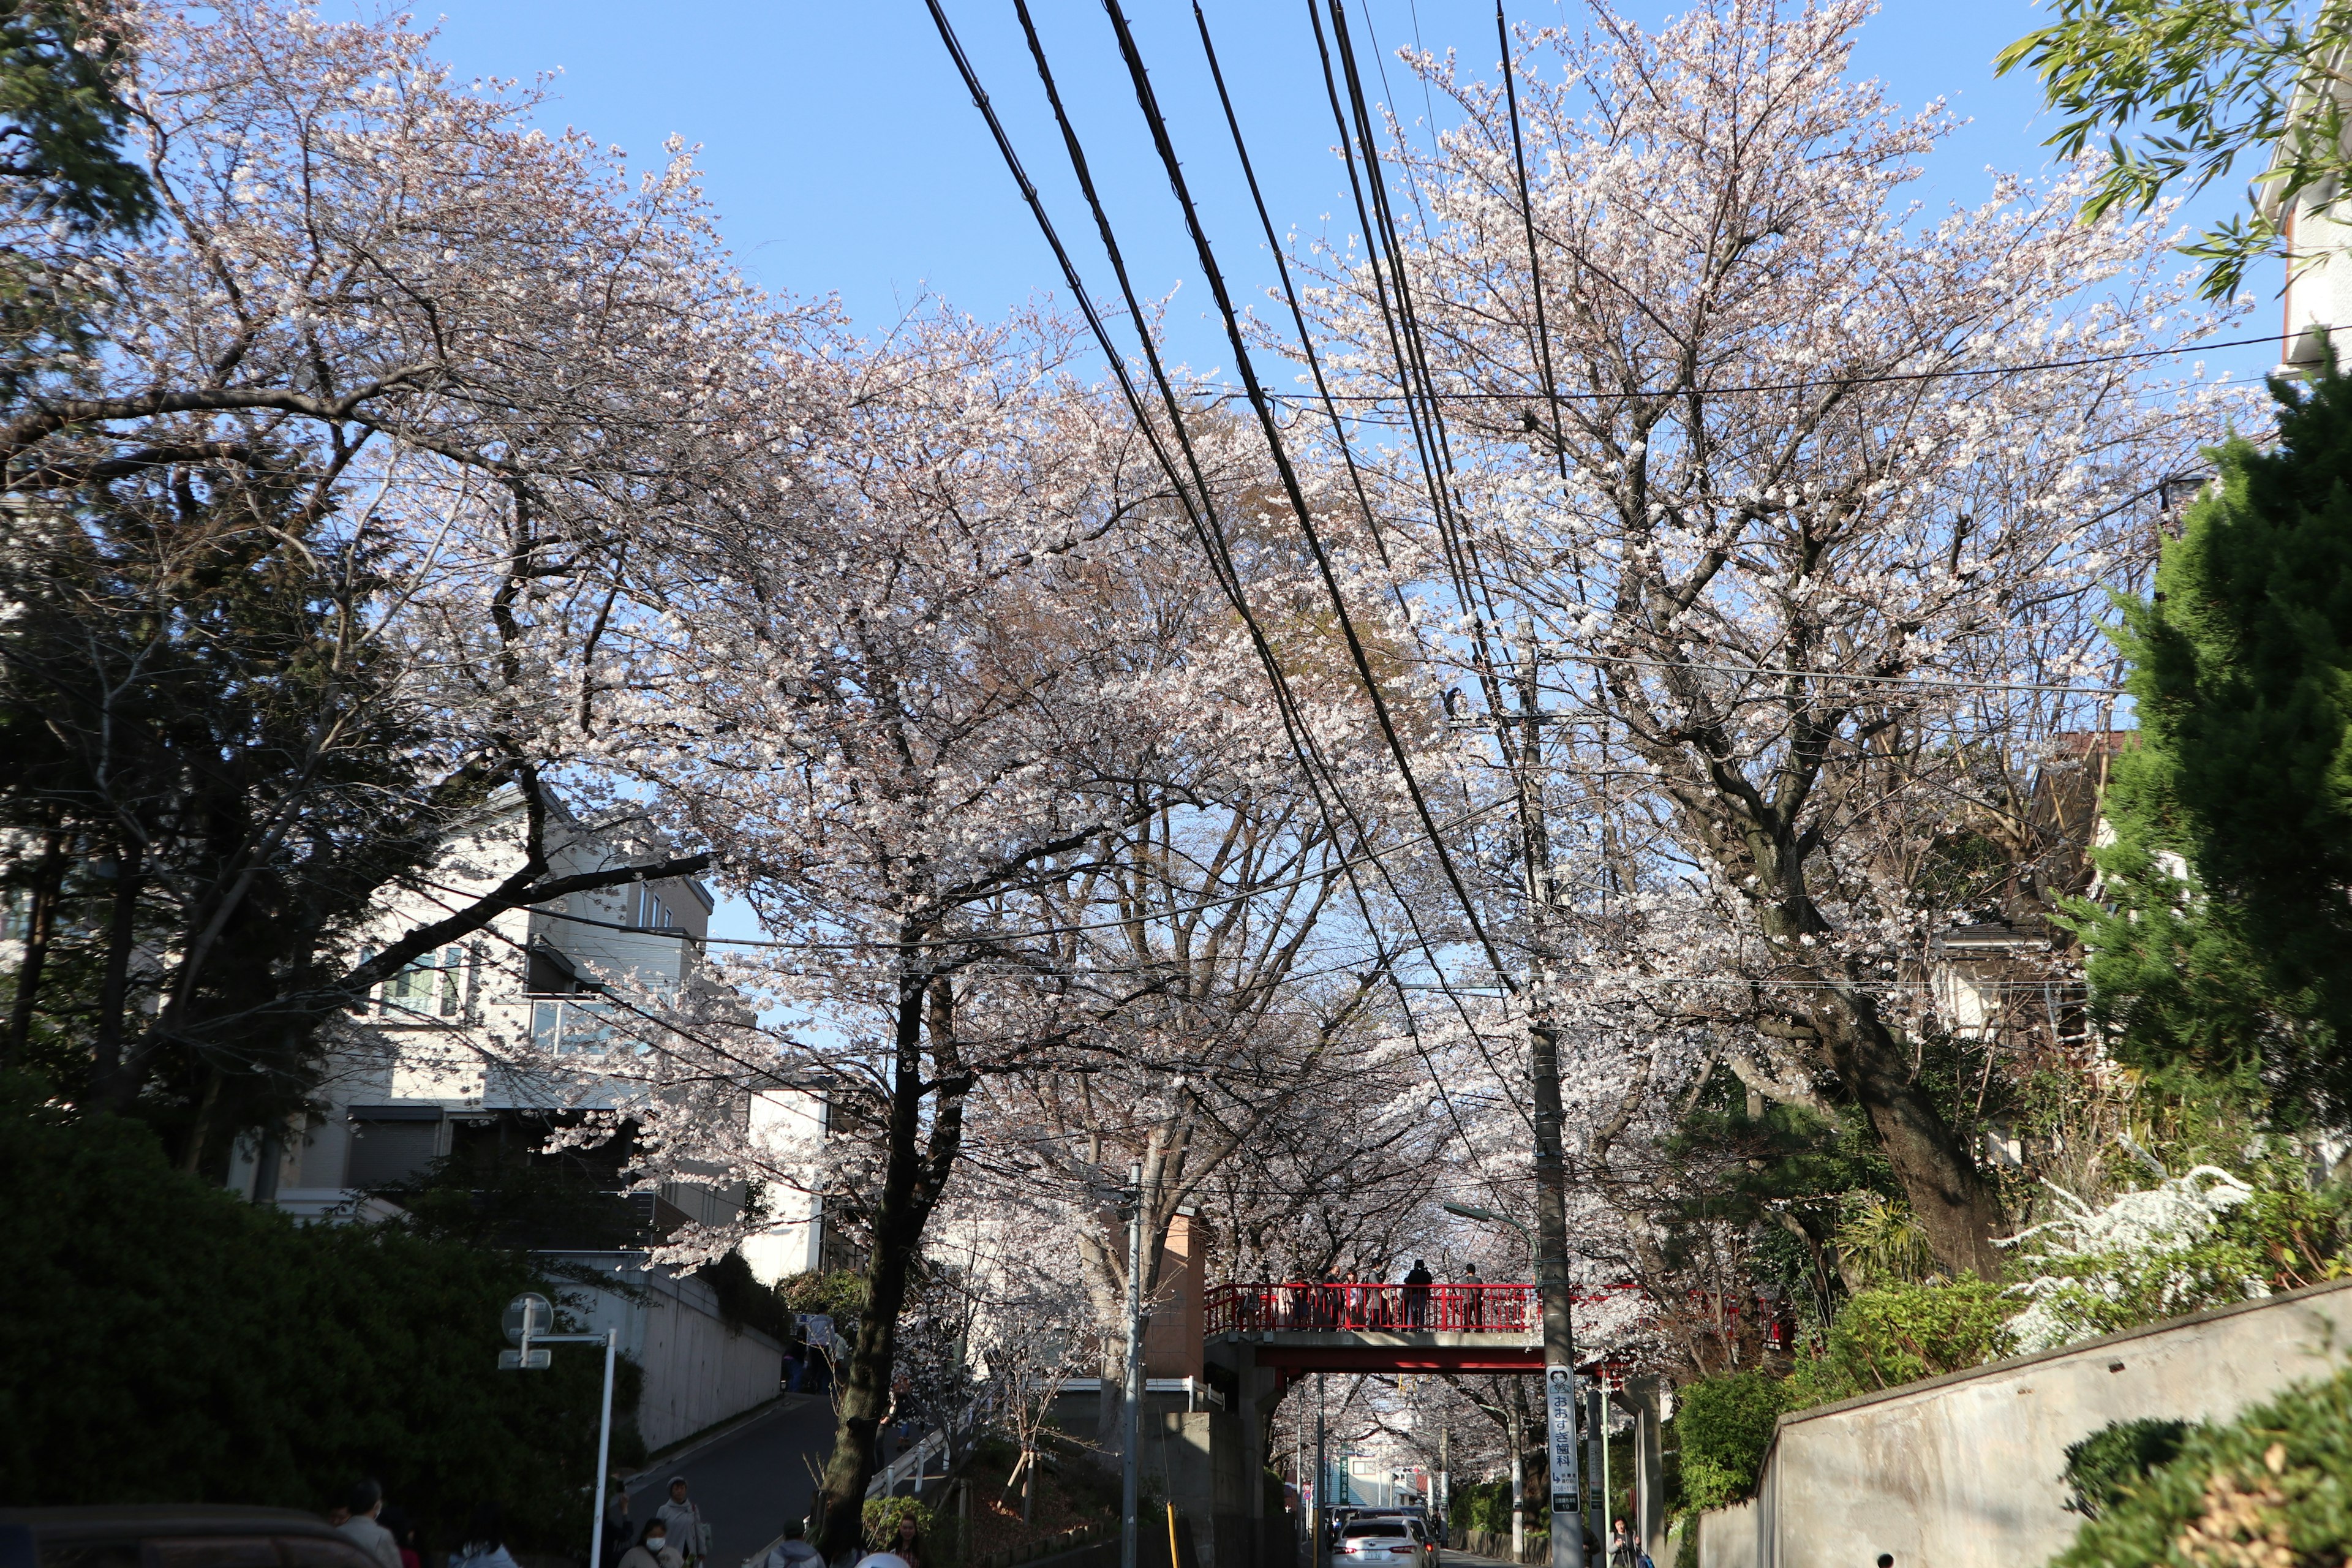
<point>1962,1471</point>
<point>698,1372</point>
<point>1727,1537</point>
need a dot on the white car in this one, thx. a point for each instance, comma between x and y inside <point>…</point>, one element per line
<point>1395,1540</point>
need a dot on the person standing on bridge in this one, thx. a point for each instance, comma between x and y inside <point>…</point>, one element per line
<point>1416,1295</point>
<point>1474,1299</point>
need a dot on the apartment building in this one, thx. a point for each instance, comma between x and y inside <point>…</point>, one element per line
<point>454,1055</point>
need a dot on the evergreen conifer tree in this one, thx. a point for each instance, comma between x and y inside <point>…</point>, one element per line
<point>2223,935</point>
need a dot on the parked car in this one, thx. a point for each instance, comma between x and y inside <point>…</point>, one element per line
<point>170,1535</point>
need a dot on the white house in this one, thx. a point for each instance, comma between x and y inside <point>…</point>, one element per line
<point>2317,229</point>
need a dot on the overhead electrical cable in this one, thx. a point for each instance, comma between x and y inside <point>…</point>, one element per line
<point>1285,704</point>
<point>1148,101</point>
<point>1210,532</point>
<point>1527,222</point>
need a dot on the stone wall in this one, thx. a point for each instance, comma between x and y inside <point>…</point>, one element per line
<point>1962,1471</point>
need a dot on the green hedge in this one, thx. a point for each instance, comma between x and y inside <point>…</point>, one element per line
<point>1724,1424</point>
<point>2274,1486</point>
<point>167,1342</point>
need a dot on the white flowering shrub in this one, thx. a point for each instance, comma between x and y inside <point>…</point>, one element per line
<point>2146,1256</point>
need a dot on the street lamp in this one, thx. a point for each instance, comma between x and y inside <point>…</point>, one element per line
<point>528,1318</point>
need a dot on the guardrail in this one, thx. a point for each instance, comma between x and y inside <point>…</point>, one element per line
<point>938,1443</point>
<point>1346,1307</point>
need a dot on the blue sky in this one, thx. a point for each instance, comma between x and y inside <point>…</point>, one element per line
<point>844,157</point>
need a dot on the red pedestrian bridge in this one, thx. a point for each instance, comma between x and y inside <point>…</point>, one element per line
<point>1301,1326</point>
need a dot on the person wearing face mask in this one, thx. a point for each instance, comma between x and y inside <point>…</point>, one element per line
<point>653,1548</point>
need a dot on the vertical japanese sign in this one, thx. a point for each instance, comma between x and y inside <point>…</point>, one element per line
<point>1559,1406</point>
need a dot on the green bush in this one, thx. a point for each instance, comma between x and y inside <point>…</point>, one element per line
<point>743,1301</point>
<point>1901,1333</point>
<point>169,1343</point>
<point>1725,1425</point>
<point>1485,1506</point>
<point>2274,1486</point>
<point>840,1295</point>
<point>2106,1467</point>
<point>882,1516</point>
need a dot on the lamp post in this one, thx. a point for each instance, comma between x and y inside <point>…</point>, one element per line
<point>528,1318</point>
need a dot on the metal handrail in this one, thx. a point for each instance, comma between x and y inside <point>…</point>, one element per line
<point>1378,1306</point>
<point>915,1460</point>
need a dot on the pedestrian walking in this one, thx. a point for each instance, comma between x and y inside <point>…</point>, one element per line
<point>689,1537</point>
<point>360,1527</point>
<point>1625,1551</point>
<point>485,1541</point>
<point>1417,1282</point>
<point>1473,1305</point>
<point>653,1548</point>
<point>794,1550</point>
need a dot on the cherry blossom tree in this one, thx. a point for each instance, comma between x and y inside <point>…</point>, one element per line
<point>472,359</point>
<point>1770,494</point>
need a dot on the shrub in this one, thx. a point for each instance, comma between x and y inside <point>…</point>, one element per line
<point>743,1301</point>
<point>2273,1486</point>
<point>1725,1425</point>
<point>2106,1467</point>
<point>882,1516</point>
<point>1485,1506</point>
<point>1902,1333</point>
<point>169,1343</point>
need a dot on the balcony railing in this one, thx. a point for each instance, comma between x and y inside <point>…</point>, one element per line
<point>1308,1307</point>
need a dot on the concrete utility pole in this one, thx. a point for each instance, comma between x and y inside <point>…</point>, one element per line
<point>1128,1498</point>
<point>1552,1165</point>
<point>1320,1554</point>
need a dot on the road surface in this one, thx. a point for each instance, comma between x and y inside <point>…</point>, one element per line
<point>749,1480</point>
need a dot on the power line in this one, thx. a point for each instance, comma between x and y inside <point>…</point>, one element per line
<point>1220,394</point>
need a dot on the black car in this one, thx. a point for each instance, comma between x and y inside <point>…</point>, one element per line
<point>173,1535</point>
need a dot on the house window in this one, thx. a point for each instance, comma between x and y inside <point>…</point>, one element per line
<point>434,986</point>
<point>649,911</point>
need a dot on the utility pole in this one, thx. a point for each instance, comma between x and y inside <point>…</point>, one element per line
<point>1319,1555</point>
<point>1445,1478</point>
<point>1552,1165</point>
<point>1128,1496</point>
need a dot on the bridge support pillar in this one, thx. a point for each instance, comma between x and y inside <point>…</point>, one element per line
<point>1649,1467</point>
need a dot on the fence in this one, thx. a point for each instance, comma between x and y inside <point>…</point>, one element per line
<point>938,1444</point>
<point>1327,1308</point>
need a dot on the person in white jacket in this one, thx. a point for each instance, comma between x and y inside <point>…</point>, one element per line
<point>687,1533</point>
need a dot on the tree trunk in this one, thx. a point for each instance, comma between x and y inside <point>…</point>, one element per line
<point>911,1187</point>
<point>40,920</point>
<point>110,1079</point>
<point>1955,1208</point>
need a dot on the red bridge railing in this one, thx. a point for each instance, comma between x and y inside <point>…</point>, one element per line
<point>1308,1307</point>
